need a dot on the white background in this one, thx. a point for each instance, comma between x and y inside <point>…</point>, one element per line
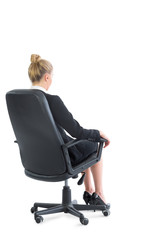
<point>106,58</point>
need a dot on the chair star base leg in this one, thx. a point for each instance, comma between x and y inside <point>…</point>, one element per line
<point>66,206</point>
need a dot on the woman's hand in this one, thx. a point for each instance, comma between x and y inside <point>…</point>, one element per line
<point>105,137</point>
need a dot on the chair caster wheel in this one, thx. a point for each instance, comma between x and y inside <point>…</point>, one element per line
<point>39,219</point>
<point>33,209</point>
<point>84,221</point>
<point>74,202</point>
<point>106,213</point>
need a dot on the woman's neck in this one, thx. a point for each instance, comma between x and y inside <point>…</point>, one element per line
<point>39,84</point>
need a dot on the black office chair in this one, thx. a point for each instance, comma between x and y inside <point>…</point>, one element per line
<point>43,153</point>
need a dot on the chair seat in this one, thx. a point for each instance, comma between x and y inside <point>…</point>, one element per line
<point>83,165</point>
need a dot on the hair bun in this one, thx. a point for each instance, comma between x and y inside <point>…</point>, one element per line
<point>35,58</point>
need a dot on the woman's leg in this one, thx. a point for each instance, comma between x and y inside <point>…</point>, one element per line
<point>87,181</point>
<point>96,170</point>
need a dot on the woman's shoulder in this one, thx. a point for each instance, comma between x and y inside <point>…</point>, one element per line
<point>52,97</point>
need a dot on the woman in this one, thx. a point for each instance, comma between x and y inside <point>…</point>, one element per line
<point>40,73</point>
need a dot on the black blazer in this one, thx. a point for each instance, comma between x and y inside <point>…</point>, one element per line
<point>65,121</point>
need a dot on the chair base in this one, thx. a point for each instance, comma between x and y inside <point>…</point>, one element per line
<point>67,206</point>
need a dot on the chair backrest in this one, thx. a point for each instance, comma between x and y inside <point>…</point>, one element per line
<point>36,133</point>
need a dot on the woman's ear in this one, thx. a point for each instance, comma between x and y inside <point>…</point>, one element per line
<point>46,77</point>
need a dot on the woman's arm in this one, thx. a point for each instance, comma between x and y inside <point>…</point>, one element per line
<point>65,119</point>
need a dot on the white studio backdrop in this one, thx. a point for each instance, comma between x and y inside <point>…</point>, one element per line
<point>106,58</point>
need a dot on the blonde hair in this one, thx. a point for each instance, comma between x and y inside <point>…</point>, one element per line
<point>38,68</point>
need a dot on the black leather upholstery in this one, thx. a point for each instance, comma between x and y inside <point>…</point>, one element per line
<point>36,133</point>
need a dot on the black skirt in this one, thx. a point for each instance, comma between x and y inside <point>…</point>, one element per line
<point>82,151</point>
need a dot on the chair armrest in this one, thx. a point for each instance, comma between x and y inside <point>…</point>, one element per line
<point>103,140</point>
<point>73,143</point>
<point>76,141</point>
